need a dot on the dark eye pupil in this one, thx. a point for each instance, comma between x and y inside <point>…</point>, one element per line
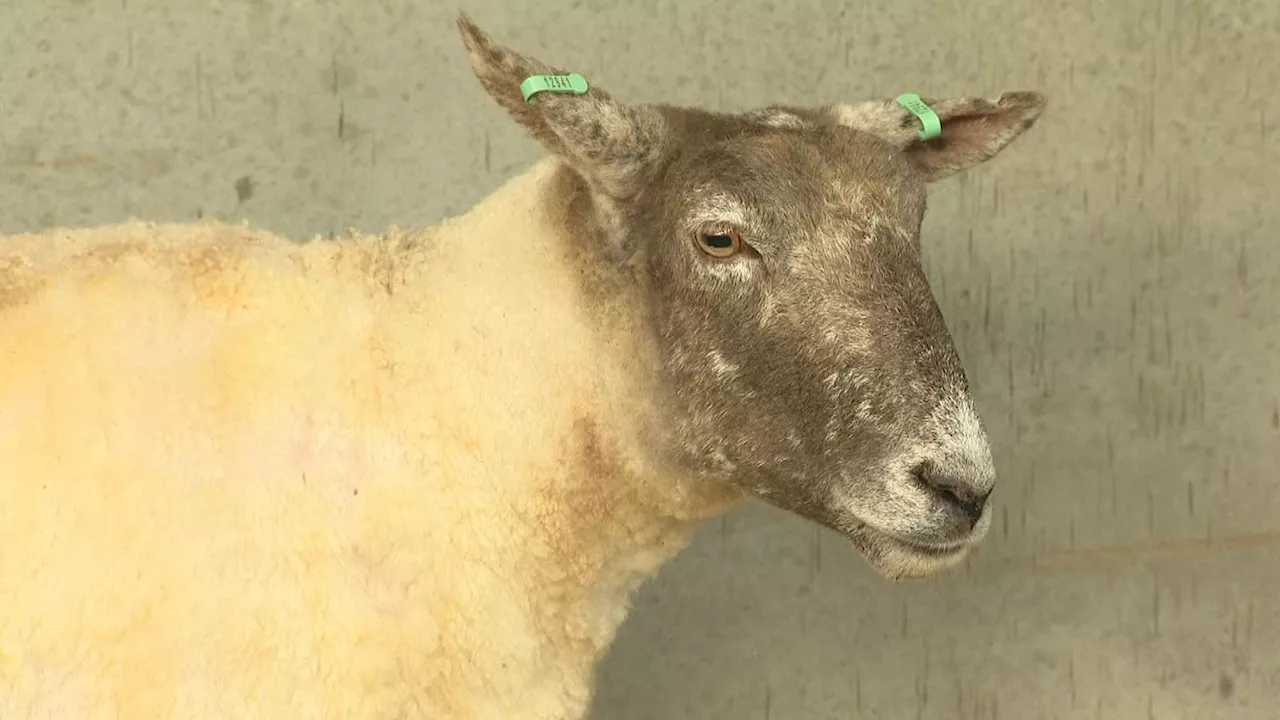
<point>721,242</point>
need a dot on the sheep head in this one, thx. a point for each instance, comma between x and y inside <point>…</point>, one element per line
<point>807,360</point>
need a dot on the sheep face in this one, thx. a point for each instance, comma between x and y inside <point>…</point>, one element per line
<point>805,357</point>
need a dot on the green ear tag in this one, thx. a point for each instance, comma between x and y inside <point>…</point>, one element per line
<point>572,83</point>
<point>928,118</point>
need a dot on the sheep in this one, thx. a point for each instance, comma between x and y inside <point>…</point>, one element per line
<point>419,474</point>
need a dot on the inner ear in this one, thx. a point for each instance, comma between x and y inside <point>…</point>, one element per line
<point>974,130</point>
<point>976,133</point>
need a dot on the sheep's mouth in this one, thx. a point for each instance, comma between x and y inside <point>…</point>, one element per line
<point>900,558</point>
<point>937,551</point>
<point>892,555</point>
<point>917,547</point>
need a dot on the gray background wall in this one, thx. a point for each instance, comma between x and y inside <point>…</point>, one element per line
<point>1113,282</point>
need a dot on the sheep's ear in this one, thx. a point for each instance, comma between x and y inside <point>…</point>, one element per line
<point>612,144</point>
<point>974,130</point>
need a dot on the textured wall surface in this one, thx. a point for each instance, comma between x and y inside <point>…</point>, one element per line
<point>1113,281</point>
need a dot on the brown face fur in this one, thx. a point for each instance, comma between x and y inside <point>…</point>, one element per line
<point>812,367</point>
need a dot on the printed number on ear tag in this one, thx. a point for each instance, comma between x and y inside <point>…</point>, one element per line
<point>571,84</point>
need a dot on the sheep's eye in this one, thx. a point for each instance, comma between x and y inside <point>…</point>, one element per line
<point>719,245</point>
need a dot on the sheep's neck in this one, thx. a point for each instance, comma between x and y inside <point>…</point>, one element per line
<point>561,477</point>
<point>618,509</point>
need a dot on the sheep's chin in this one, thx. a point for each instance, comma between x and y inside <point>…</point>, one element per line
<point>898,560</point>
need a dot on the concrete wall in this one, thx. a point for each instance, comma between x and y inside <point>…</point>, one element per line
<point>1113,282</point>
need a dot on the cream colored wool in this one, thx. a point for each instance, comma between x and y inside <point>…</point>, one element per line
<point>373,478</point>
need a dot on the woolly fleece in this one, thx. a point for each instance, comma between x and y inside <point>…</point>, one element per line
<point>389,476</point>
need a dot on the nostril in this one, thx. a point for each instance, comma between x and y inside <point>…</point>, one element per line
<point>952,490</point>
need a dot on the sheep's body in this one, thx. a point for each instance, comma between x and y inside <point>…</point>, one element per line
<point>248,478</point>
<point>416,476</point>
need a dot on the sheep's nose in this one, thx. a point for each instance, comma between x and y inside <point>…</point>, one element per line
<point>964,499</point>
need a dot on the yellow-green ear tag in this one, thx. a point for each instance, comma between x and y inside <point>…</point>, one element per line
<point>573,84</point>
<point>932,124</point>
